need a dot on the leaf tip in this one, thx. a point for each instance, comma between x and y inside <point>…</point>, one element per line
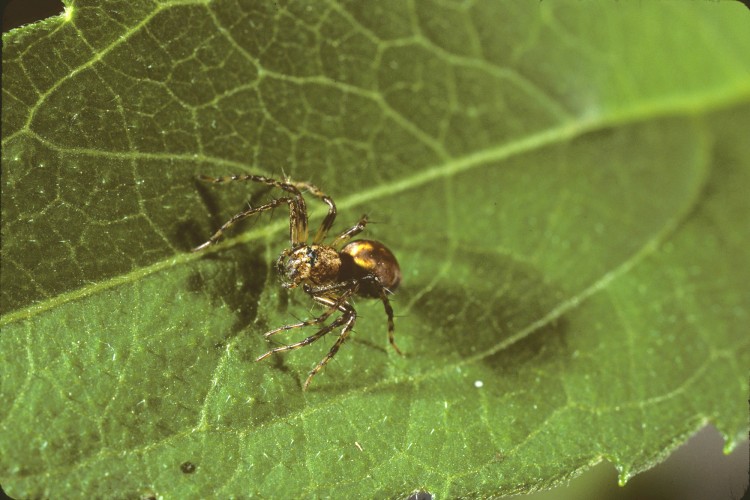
<point>67,13</point>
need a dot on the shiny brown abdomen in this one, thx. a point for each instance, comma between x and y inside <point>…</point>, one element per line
<point>367,257</point>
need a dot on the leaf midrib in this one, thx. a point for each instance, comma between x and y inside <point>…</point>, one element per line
<point>558,134</point>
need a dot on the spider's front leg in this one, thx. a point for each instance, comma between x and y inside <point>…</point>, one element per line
<point>240,216</point>
<point>297,208</point>
<point>325,226</point>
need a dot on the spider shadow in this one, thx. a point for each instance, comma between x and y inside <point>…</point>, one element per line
<point>190,233</point>
<point>237,281</point>
<point>242,276</point>
<point>209,196</point>
<point>491,318</point>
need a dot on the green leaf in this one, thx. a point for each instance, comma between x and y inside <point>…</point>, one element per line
<point>564,185</point>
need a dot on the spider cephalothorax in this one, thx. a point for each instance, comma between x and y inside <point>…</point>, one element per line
<point>313,264</point>
<point>330,274</point>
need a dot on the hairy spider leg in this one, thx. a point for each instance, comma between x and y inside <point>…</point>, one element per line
<point>243,215</point>
<point>389,313</point>
<point>352,286</point>
<point>353,231</point>
<point>313,321</point>
<point>297,207</point>
<point>327,223</point>
<point>347,319</point>
<point>334,305</point>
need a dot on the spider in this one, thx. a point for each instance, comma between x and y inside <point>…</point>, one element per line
<point>330,274</point>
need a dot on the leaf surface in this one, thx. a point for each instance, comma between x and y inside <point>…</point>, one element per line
<point>564,186</point>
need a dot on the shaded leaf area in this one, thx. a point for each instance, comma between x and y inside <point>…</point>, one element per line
<point>565,200</point>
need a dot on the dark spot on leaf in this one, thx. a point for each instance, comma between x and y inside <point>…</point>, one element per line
<point>187,467</point>
<point>420,495</point>
<point>147,494</point>
<point>195,282</point>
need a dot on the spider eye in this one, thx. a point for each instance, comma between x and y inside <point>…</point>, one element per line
<point>312,255</point>
<point>297,267</point>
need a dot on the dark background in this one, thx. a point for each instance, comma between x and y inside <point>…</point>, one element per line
<point>19,12</point>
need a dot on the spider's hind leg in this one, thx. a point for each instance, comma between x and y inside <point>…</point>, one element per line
<point>347,319</point>
<point>389,313</point>
<point>345,236</point>
<point>308,322</point>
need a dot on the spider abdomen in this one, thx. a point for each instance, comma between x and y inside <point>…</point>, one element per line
<point>361,258</point>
